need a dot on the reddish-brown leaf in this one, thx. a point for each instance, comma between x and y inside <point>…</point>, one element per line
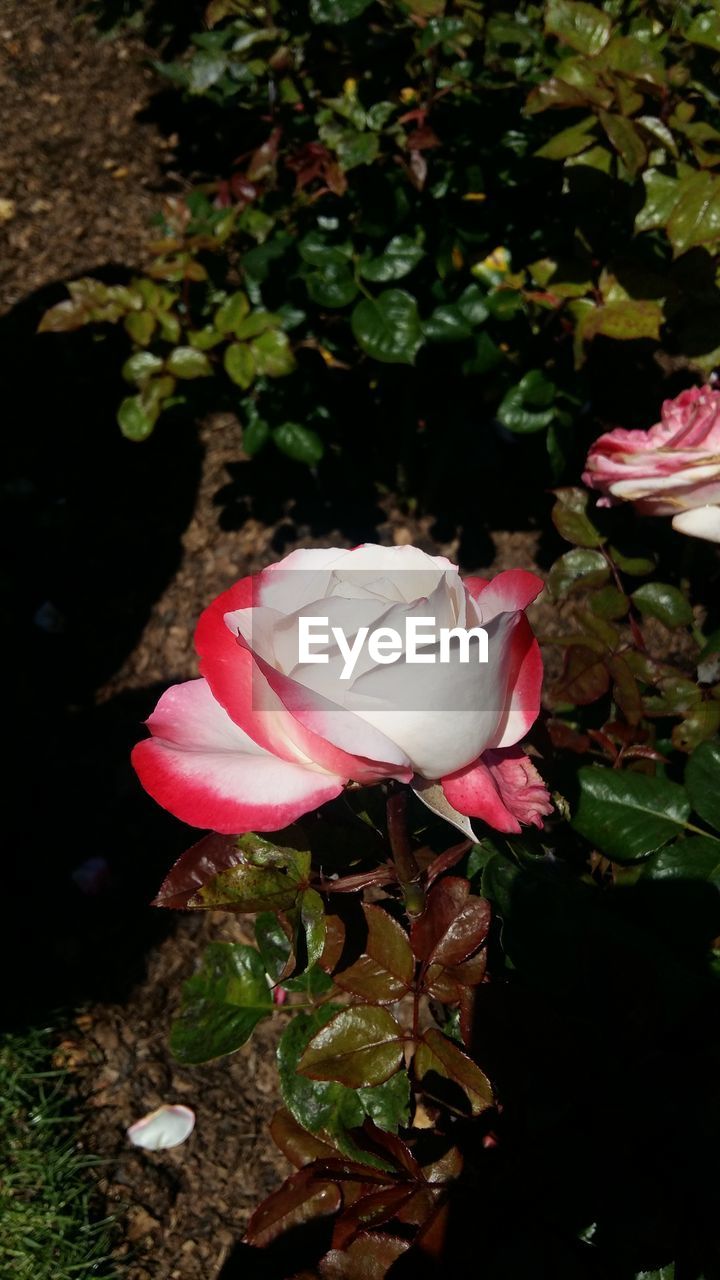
<point>195,868</point>
<point>453,924</point>
<point>437,1054</point>
<point>384,972</point>
<point>371,1211</point>
<point>585,677</point>
<point>304,1195</point>
<point>298,1145</point>
<point>369,1257</point>
<point>334,943</point>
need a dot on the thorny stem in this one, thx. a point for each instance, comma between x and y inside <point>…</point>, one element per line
<point>407,868</point>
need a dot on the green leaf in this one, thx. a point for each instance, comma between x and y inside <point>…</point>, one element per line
<point>266,877</point>
<point>569,142</point>
<point>569,515</point>
<point>705,29</point>
<point>628,815</point>
<point>577,569</point>
<point>439,1056</point>
<point>388,327</point>
<point>662,601</point>
<point>397,259</point>
<point>334,286</point>
<point>521,410</point>
<point>312,918</point>
<point>360,1046</point>
<point>231,312</point>
<point>623,320</point>
<point>661,196</point>
<point>337,11</point>
<point>273,944</point>
<point>354,148</point>
<point>300,443</point>
<point>691,858</point>
<point>255,323</point>
<point>315,249</point>
<point>272,354</point>
<point>187,362</point>
<point>583,26</point>
<point>472,304</point>
<point>325,1105</point>
<point>695,220</point>
<point>239,364</point>
<point>222,1004</point>
<point>447,324</point>
<point>626,140</point>
<point>634,566</point>
<point>609,603</point>
<point>256,434</point>
<point>140,326</point>
<point>136,422</point>
<point>702,779</point>
<point>141,366</point>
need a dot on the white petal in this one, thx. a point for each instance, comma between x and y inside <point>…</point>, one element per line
<point>166,1127</point>
<point>432,795</point>
<point>699,522</point>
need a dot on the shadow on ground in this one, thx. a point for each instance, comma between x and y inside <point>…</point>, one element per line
<point>92,526</point>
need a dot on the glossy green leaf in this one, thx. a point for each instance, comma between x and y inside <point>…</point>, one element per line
<point>187,363</point>
<point>626,140</point>
<point>397,259</point>
<point>663,601</point>
<point>583,26</point>
<point>231,312</point>
<point>691,858</point>
<point>300,443</point>
<point>702,780</point>
<point>140,326</point>
<point>272,354</point>
<point>661,196</point>
<point>318,251</point>
<point>695,219</point>
<point>359,1047</point>
<point>705,29</point>
<point>337,11</point>
<point>388,328</point>
<point>326,1105</point>
<point>273,944</point>
<point>141,366</point>
<point>239,364</point>
<point>629,815</point>
<point>522,407</point>
<point>447,324</point>
<point>222,1004</point>
<point>136,421</point>
<point>436,1055</point>
<point>569,142</point>
<point>312,917</point>
<point>582,567</point>
<point>333,286</point>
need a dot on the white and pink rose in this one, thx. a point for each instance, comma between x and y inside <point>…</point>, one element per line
<point>673,469</point>
<point>263,738</point>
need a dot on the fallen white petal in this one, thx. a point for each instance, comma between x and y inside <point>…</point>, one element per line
<point>699,522</point>
<point>164,1128</point>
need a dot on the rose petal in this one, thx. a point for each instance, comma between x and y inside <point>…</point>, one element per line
<point>166,1127</point>
<point>699,522</point>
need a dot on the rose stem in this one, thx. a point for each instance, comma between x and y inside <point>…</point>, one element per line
<point>408,871</point>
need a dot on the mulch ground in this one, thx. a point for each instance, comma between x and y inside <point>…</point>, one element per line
<point>82,167</point>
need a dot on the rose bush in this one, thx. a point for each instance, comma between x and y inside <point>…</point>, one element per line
<point>671,470</point>
<point>262,738</point>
